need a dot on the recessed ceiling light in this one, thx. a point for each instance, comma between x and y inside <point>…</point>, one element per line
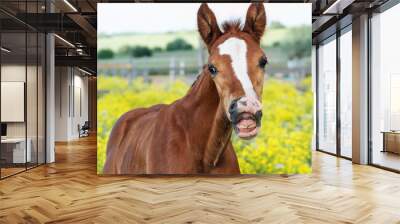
<point>70,5</point>
<point>64,40</point>
<point>5,50</point>
<point>84,71</point>
<point>338,6</point>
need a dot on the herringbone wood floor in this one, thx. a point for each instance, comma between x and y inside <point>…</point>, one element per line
<point>69,191</point>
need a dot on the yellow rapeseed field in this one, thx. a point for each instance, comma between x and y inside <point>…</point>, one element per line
<point>282,146</point>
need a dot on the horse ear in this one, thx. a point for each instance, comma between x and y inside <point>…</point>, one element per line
<point>255,21</point>
<point>207,25</point>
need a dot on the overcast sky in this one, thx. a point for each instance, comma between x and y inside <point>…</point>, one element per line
<point>165,17</point>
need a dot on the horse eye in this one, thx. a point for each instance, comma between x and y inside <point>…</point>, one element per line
<point>263,61</point>
<point>213,70</point>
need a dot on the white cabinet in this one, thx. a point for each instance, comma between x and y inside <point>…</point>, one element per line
<point>18,149</point>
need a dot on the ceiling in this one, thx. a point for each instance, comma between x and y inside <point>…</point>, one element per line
<point>75,22</point>
<point>328,15</point>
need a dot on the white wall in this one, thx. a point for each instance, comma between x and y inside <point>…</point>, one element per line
<point>70,84</point>
<point>81,100</point>
<point>16,73</point>
<point>62,81</point>
<point>33,126</point>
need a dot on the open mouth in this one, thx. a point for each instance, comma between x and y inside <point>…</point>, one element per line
<point>246,125</point>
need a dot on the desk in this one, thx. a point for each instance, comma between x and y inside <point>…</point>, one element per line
<point>391,141</point>
<point>17,150</point>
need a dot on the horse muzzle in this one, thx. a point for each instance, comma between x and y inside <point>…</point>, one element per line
<point>245,115</point>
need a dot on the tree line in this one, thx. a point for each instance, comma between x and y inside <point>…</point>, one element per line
<point>144,51</point>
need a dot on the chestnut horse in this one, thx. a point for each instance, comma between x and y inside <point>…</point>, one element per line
<point>193,134</point>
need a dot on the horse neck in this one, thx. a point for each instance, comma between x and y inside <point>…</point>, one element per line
<point>209,122</point>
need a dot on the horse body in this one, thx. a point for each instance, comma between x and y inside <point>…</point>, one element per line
<point>175,138</point>
<point>192,135</point>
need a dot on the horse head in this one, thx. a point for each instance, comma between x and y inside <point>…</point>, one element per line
<point>236,64</point>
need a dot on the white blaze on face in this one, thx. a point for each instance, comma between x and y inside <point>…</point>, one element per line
<point>236,49</point>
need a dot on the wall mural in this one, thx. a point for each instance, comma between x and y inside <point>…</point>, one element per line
<point>196,89</point>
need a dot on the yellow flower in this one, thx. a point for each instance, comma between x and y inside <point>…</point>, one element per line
<point>283,145</point>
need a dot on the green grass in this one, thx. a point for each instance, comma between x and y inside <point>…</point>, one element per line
<point>115,42</point>
<point>159,60</point>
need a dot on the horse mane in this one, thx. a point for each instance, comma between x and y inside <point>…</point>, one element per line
<point>198,77</point>
<point>232,26</point>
